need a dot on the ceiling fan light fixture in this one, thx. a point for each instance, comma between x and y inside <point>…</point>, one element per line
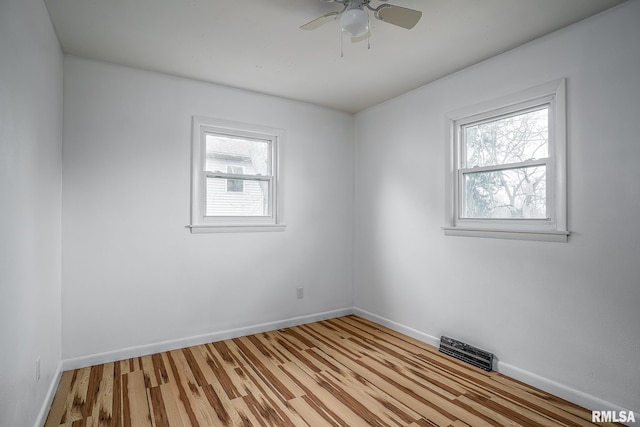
<point>355,22</point>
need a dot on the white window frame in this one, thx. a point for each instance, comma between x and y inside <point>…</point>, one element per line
<point>553,228</point>
<point>200,222</point>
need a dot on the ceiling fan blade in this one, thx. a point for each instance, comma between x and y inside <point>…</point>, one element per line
<point>398,15</point>
<point>318,22</point>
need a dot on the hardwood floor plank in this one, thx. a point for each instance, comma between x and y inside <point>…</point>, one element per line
<point>116,401</point>
<point>291,352</point>
<point>93,387</point>
<point>311,415</point>
<point>58,406</point>
<point>326,343</point>
<point>159,368</point>
<point>345,372</point>
<point>426,423</point>
<point>436,408</point>
<point>208,383</point>
<point>77,396</point>
<point>266,369</point>
<point>361,403</point>
<point>150,375</point>
<point>102,413</point>
<point>185,409</point>
<point>263,411</point>
<point>170,401</point>
<point>157,408</point>
<point>200,412</point>
<point>244,416</point>
<point>135,406</point>
<point>279,345</point>
<point>322,398</point>
<point>293,335</point>
<point>376,401</point>
<point>329,363</point>
<point>221,402</point>
<point>218,372</point>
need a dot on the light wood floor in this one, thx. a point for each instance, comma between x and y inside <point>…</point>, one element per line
<point>341,372</point>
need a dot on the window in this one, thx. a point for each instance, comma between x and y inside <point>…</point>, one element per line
<point>507,167</point>
<point>234,177</point>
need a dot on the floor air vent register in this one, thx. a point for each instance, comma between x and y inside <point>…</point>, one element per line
<point>467,353</point>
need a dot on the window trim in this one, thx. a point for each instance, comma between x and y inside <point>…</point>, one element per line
<point>552,229</point>
<point>200,222</point>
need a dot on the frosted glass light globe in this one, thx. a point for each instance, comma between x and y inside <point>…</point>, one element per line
<point>355,22</point>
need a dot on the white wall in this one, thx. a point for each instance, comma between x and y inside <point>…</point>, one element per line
<point>30,208</point>
<point>569,313</point>
<point>132,273</point>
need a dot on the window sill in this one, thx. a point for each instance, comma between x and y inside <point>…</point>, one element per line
<point>242,228</point>
<point>536,235</point>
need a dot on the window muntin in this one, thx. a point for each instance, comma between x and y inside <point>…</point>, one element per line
<point>234,176</point>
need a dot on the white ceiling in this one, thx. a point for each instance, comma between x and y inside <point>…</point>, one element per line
<point>257,45</point>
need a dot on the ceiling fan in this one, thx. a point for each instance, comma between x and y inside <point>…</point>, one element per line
<point>354,17</point>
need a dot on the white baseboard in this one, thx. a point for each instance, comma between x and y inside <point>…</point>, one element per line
<point>48,399</point>
<point>572,395</point>
<point>144,350</point>
<point>410,332</point>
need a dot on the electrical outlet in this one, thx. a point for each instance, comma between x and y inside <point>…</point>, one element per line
<point>300,292</point>
<point>38,369</point>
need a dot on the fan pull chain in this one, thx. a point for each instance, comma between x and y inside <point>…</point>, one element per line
<point>341,44</point>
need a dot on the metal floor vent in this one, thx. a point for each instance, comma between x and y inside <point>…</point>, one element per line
<point>467,353</point>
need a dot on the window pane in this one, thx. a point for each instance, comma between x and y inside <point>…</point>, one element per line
<point>507,140</point>
<point>512,193</point>
<point>226,154</point>
<point>253,200</point>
